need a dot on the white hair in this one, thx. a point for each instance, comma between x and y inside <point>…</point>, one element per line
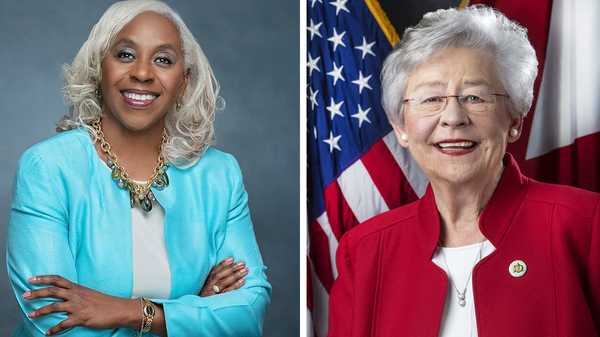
<point>477,27</point>
<point>190,129</point>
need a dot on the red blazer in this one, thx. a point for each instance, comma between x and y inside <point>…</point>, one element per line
<point>388,285</point>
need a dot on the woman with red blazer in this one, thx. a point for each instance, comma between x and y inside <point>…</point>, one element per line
<point>486,251</point>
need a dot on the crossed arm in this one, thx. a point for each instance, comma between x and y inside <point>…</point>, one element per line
<point>89,308</point>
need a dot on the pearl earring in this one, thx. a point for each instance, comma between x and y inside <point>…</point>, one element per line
<point>404,137</point>
<point>98,93</point>
<point>514,132</point>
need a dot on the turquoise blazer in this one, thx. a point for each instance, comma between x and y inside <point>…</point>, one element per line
<point>69,218</point>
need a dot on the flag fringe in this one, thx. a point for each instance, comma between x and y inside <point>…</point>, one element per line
<point>383,21</point>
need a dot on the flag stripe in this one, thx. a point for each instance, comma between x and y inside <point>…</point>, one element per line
<point>309,291</point>
<point>387,176</point>
<point>320,305</point>
<point>360,193</point>
<point>332,241</point>
<point>340,215</point>
<point>320,253</point>
<point>309,326</point>
<point>575,164</point>
<point>416,178</point>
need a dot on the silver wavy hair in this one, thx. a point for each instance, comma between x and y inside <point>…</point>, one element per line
<point>190,129</point>
<point>477,27</point>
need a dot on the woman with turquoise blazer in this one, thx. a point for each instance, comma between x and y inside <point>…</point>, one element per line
<point>117,220</point>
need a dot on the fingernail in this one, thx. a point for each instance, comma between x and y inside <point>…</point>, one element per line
<point>26,294</point>
<point>244,271</point>
<point>229,260</point>
<point>31,314</point>
<point>241,281</point>
<point>239,264</point>
<point>32,279</point>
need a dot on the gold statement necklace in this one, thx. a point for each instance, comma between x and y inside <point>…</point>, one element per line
<point>139,193</point>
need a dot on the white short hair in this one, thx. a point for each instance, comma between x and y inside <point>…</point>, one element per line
<point>477,27</point>
<point>191,128</point>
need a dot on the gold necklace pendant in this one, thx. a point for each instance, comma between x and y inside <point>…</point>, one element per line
<point>139,194</point>
<point>145,201</point>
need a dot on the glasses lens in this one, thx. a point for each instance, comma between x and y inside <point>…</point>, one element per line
<point>430,103</point>
<point>478,103</point>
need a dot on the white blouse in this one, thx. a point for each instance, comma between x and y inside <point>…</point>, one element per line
<point>151,273</point>
<point>458,262</point>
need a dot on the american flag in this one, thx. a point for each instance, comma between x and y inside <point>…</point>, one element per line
<point>356,168</point>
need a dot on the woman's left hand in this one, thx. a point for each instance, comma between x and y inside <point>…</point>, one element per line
<point>224,277</point>
<point>84,306</point>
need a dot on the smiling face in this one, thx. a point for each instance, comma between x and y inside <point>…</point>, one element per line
<point>143,73</point>
<point>455,145</point>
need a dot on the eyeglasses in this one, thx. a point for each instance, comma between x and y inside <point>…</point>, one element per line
<point>471,103</point>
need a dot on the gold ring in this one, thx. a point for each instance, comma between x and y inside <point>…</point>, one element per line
<point>216,289</point>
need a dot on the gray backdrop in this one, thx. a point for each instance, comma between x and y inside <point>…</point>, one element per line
<point>253,48</point>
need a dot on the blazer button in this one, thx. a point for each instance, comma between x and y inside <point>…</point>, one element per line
<point>517,268</point>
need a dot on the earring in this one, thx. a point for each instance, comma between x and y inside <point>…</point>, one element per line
<point>98,93</point>
<point>514,132</point>
<point>404,137</point>
<point>178,106</point>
